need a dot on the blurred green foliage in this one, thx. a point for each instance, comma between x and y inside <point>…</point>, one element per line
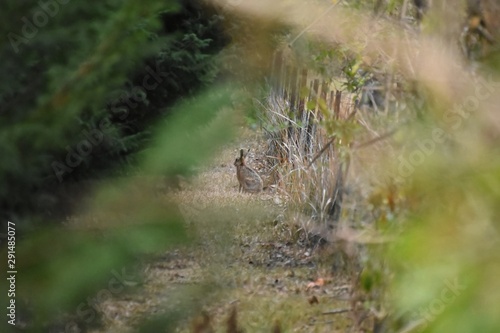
<point>125,221</point>
<point>82,88</point>
<point>98,92</point>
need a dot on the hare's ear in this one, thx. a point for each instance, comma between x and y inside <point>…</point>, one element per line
<point>246,154</point>
<point>241,153</point>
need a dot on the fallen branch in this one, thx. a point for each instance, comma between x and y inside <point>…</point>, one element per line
<point>336,311</point>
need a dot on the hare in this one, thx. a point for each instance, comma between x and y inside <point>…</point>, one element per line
<point>248,178</point>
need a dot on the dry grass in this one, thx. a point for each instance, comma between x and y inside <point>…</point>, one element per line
<point>261,263</point>
<point>317,177</point>
<point>247,256</point>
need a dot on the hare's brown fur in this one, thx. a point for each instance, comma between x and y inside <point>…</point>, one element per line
<point>248,178</point>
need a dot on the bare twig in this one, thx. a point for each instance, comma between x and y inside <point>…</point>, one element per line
<point>336,311</point>
<point>321,152</point>
<point>375,140</point>
<point>328,143</point>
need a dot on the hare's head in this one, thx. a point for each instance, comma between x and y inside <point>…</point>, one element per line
<point>241,160</point>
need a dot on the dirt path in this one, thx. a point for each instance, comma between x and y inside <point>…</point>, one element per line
<point>246,257</point>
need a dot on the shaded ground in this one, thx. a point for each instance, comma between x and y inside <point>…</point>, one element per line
<point>247,256</point>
